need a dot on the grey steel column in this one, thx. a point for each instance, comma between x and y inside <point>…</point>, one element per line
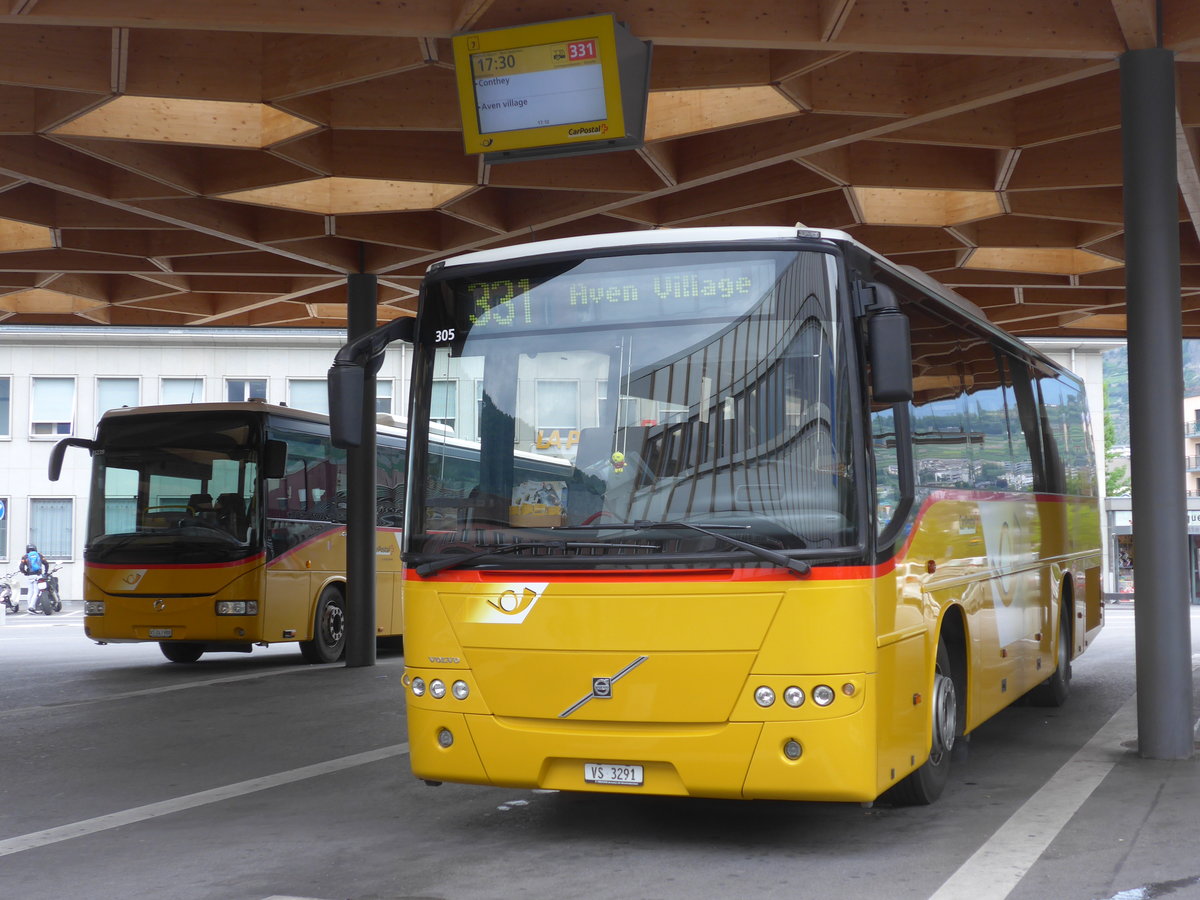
<point>1164,652</point>
<point>360,487</point>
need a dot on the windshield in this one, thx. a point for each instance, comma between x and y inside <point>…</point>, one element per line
<point>174,488</point>
<point>574,404</point>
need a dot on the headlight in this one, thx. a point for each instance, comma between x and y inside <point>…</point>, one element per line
<point>823,695</point>
<point>794,697</point>
<point>437,689</point>
<point>764,696</point>
<point>237,607</point>
<point>460,690</point>
<point>93,608</point>
<point>418,687</point>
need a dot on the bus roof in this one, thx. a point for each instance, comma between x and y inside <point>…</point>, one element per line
<point>709,235</point>
<point>677,236</point>
<point>616,240</point>
<point>385,424</point>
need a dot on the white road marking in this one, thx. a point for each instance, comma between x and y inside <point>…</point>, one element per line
<point>182,686</point>
<point>998,866</point>
<point>191,801</point>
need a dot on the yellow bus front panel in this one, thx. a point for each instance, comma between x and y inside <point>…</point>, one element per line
<point>155,603</point>
<point>665,675</point>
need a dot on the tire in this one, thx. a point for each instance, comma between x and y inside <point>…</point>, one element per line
<point>45,603</point>
<point>1054,690</point>
<point>925,785</point>
<point>181,651</point>
<point>329,628</point>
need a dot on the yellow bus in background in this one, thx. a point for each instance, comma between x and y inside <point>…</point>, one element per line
<point>219,526</point>
<point>817,519</point>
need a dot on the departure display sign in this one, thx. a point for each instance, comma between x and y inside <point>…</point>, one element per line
<point>552,88</point>
<point>537,87</point>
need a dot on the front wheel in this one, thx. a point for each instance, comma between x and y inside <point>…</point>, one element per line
<point>329,629</point>
<point>181,651</point>
<point>926,784</point>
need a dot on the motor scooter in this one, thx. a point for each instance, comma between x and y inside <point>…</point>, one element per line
<point>48,601</point>
<point>6,592</point>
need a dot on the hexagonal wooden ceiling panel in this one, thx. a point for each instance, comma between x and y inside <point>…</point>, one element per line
<point>177,162</point>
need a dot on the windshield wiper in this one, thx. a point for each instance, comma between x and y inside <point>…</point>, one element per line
<point>432,567</point>
<point>797,567</point>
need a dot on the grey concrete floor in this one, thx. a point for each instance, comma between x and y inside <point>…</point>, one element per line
<point>256,776</point>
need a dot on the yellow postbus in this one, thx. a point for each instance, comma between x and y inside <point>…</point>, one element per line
<point>820,519</point>
<point>219,526</point>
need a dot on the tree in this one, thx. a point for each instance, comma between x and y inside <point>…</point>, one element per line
<point>1116,477</point>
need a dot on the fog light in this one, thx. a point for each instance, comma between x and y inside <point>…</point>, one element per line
<point>792,750</point>
<point>793,697</point>
<point>822,695</point>
<point>444,738</point>
<point>460,690</point>
<point>418,687</point>
<point>93,608</point>
<point>437,689</point>
<point>764,696</point>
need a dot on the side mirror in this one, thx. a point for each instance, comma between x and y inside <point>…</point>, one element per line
<point>346,386</point>
<point>275,459</point>
<point>889,348</point>
<point>59,451</point>
<point>347,378</point>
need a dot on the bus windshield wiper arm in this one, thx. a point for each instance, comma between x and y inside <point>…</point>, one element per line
<point>432,567</point>
<point>797,567</point>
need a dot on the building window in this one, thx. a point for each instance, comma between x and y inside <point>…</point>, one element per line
<point>557,405</point>
<point>113,393</point>
<point>51,522</point>
<point>52,407</point>
<point>383,396</point>
<point>241,389</point>
<point>181,390</point>
<point>443,407</point>
<point>309,393</point>
<point>4,508</point>
<point>5,407</point>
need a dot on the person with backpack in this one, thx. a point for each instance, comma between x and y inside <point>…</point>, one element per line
<point>32,565</point>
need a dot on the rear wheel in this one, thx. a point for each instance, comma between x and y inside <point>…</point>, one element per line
<point>45,603</point>
<point>1055,689</point>
<point>181,651</point>
<point>926,784</point>
<point>329,629</point>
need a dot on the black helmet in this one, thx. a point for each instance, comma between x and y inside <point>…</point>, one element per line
<point>29,547</point>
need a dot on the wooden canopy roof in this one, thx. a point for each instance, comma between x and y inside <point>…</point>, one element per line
<point>177,162</point>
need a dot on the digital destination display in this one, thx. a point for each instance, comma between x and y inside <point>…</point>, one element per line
<point>532,87</point>
<point>685,290</point>
<point>552,88</point>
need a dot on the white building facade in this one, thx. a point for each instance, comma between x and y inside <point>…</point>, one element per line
<point>57,382</point>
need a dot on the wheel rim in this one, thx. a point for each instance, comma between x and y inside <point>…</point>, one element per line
<point>333,624</point>
<point>945,716</point>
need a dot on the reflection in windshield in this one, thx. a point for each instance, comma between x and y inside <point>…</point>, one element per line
<point>704,388</point>
<point>173,488</point>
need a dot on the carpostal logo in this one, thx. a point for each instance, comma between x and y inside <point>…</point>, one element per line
<point>588,130</point>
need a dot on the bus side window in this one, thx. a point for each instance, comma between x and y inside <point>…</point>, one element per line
<point>887,466</point>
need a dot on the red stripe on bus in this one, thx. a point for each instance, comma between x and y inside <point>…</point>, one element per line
<point>818,573</point>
